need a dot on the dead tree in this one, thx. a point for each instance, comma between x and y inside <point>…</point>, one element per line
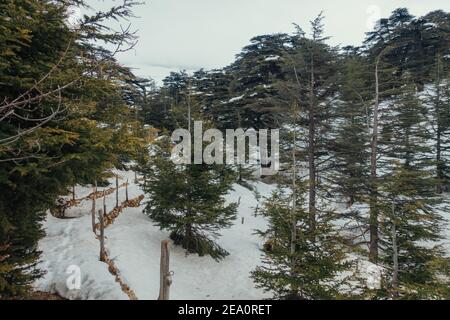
<point>373,215</point>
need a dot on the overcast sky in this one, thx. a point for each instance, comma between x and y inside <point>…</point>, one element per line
<point>194,34</point>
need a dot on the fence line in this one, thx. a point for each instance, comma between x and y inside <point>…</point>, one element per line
<point>59,210</point>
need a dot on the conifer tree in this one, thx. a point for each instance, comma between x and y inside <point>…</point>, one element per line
<point>300,261</point>
<point>54,132</point>
<point>416,263</point>
<point>436,29</point>
<point>254,72</point>
<point>312,73</point>
<point>311,270</point>
<point>352,129</point>
<point>384,53</point>
<point>189,199</point>
<point>411,225</point>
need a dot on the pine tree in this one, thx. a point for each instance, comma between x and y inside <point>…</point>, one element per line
<point>352,129</point>
<point>311,80</point>
<point>385,51</point>
<point>254,72</point>
<point>212,91</point>
<point>438,99</point>
<point>300,261</point>
<point>416,264</point>
<point>410,224</point>
<point>310,271</point>
<point>57,86</point>
<point>188,200</point>
<point>435,28</point>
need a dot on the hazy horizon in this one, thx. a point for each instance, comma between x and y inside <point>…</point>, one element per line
<point>195,34</point>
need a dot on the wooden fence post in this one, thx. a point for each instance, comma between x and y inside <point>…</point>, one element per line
<point>126,191</point>
<point>93,208</point>
<point>117,191</point>
<point>104,202</point>
<point>102,236</point>
<point>73,192</point>
<point>165,276</point>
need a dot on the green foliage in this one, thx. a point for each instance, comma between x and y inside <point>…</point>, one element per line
<point>307,266</point>
<point>411,222</point>
<point>188,200</point>
<point>333,94</point>
<point>350,147</point>
<point>70,113</point>
<point>70,125</point>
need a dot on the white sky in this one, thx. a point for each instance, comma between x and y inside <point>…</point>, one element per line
<point>191,34</point>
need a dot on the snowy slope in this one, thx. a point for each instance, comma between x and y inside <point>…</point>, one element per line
<point>134,242</point>
<point>71,243</point>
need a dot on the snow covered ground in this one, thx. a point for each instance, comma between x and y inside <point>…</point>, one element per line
<point>133,242</point>
<point>71,253</point>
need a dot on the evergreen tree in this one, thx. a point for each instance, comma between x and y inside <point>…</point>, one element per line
<point>416,264</point>
<point>300,261</point>
<point>212,91</point>
<point>312,74</point>
<point>410,224</point>
<point>311,270</point>
<point>352,129</point>
<point>435,28</point>
<point>188,199</point>
<point>383,52</point>
<point>254,72</point>
<point>54,132</point>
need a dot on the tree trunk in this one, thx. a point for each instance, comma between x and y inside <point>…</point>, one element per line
<point>294,190</point>
<point>117,191</point>
<point>312,151</point>
<point>395,254</point>
<point>187,240</point>
<point>373,217</point>
<point>189,106</point>
<point>104,202</point>
<point>93,211</point>
<point>439,162</point>
<point>294,288</point>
